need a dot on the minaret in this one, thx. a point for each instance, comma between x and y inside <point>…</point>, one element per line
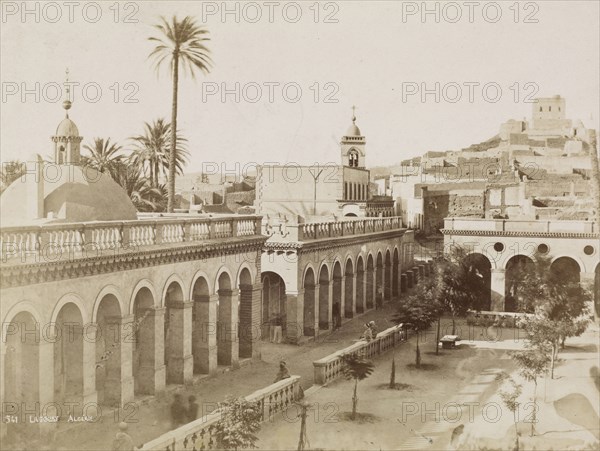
<point>67,140</point>
<point>353,145</point>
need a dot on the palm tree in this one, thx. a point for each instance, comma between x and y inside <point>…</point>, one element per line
<point>152,150</point>
<point>144,196</point>
<point>180,42</point>
<point>11,171</point>
<point>358,369</point>
<point>104,157</point>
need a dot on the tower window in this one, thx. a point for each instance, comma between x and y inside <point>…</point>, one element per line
<point>549,108</point>
<point>541,109</point>
<point>353,159</point>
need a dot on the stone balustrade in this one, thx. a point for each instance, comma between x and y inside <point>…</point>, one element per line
<point>82,238</point>
<point>331,367</point>
<point>201,433</point>
<point>281,230</point>
<point>519,226</point>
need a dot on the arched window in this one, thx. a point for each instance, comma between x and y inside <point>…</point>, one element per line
<point>540,109</point>
<point>353,158</point>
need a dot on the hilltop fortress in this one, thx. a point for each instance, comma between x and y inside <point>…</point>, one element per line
<point>536,169</point>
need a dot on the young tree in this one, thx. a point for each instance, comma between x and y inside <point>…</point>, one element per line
<point>510,398</point>
<point>461,286</point>
<point>357,368</point>
<point>532,365</point>
<point>561,306</point>
<point>181,43</point>
<point>240,421</point>
<point>417,314</point>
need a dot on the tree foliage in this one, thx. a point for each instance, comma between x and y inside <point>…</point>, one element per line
<point>180,42</point>
<point>358,368</point>
<point>11,171</point>
<point>240,421</point>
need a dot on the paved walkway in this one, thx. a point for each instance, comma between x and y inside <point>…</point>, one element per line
<point>411,418</point>
<point>150,417</point>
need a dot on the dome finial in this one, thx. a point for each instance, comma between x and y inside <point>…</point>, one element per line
<point>67,102</point>
<point>353,113</point>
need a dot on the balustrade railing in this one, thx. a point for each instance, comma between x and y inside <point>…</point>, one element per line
<point>85,239</point>
<point>331,367</point>
<point>201,433</point>
<point>524,226</point>
<point>332,229</point>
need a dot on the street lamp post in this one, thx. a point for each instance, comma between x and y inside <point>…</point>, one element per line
<point>316,178</point>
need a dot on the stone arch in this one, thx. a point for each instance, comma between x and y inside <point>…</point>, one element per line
<point>379,279</point>
<point>227,321</point>
<point>108,344</point>
<point>72,298</point>
<point>337,299</point>
<point>567,268</point>
<point>481,263</point>
<point>324,310</point>
<point>246,328</point>
<point>197,276</point>
<point>327,267</point>
<point>173,279</point>
<point>144,283</point>
<point>387,291</point>
<point>360,284</point>
<point>68,319</point>
<point>395,272</point>
<point>247,267</point>
<point>176,334</point>
<point>514,272</point>
<point>349,306</point>
<point>148,335</point>
<point>309,309</point>
<point>274,305</point>
<point>203,321</point>
<point>370,281</point>
<point>219,277</point>
<point>106,290</point>
<point>20,307</point>
<point>21,368</point>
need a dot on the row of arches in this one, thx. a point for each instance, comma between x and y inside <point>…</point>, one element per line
<point>125,353</point>
<point>564,268</point>
<point>347,288</point>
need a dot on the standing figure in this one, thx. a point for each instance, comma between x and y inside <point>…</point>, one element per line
<point>122,441</point>
<point>192,410</point>
<point>178,412</point>
<point>335,312</point>
<point>379,298</point>
<point>283,372</point>
<point>373,328</point>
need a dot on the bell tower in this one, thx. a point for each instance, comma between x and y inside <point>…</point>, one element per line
<point>353,145</point>
<point>67,140</point>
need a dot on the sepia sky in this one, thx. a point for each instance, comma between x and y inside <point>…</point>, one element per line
<point>369,58</point>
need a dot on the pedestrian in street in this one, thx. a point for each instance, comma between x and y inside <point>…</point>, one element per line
<point>192,410</point>
<point>122,441</point>
<point>335,312</point>
<point>367,333</point>
<point>178,412</point>
<point>379,298</point>
<point>283,372</point>
<point>374,330</point>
